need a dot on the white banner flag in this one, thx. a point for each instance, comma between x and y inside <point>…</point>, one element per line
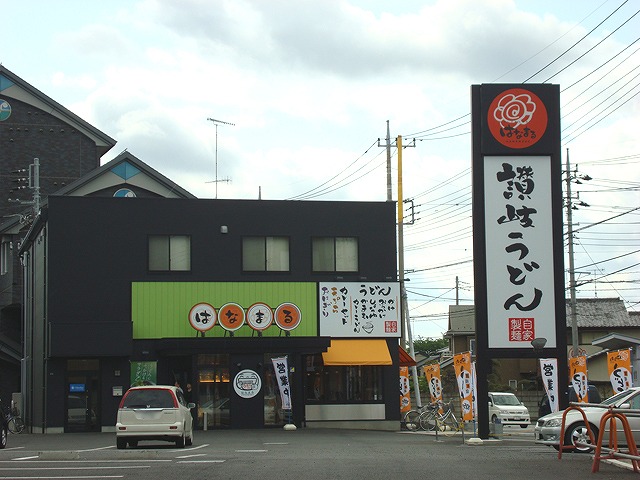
<point>281,369</point>
<point>549,372</point>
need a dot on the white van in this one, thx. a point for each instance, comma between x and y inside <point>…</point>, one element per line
<point>508,409</point>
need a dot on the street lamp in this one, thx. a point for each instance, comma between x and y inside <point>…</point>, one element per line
<point>538,344</point>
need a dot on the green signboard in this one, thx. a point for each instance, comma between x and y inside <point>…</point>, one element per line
<point>218,309</point>
<point>144,373</point>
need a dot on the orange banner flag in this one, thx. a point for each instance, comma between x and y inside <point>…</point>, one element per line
<point>578,377</point>
<point>462,366</point>
<point>432,372</point>
<point>405,391</point>
<point>619,363</point>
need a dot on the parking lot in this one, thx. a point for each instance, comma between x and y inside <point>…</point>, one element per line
<point>304,453</point>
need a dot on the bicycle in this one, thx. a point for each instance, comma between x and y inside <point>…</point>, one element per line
<point>14,422</point>
<point>448,423</point>
<point>428,418</point>
<point>411,419</point>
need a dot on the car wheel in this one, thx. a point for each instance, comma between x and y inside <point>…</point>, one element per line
<point>180,441</point>
<point>3,436</point>
<point>577,433</point>
<point>121,443</point>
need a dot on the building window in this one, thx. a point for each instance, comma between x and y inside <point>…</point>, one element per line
<point>335,254</point>
<point>5,257</point>
<point>350,384</point>
<point>265,254</point>
<point>170,253</point>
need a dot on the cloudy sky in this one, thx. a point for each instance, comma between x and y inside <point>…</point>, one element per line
<point>309,86</point>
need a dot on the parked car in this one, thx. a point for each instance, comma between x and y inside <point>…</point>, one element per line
<point>593,395</point>
<point>547,430</point>
<point>154,412</point>
<point>507,408</point>
<point>4,427</point>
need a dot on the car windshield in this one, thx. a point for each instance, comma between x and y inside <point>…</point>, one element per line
<point>616,398</point>
<point>507,400</point>
<point>149,398</point>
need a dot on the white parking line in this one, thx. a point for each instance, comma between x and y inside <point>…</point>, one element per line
<point>195,455</point>
<point>276,443</point>
<point>85,477</point>
<point>95,449</point>
<point>251,451</point>
<point>201,461</point>
<point>190,449</point>
<point>88,467</point>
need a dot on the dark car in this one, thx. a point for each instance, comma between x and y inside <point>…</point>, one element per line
<point>593,395</point>
<point>4,428</point>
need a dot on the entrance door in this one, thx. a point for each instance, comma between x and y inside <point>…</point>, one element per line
<point>213,392</point>
<point>247,391</point>
<point>82,395</point>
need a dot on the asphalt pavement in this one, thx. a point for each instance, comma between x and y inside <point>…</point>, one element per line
<point>304,453</point>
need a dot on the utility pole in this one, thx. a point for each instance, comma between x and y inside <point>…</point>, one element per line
<point>572,274</point>
<point>216,123</point>
<point>406,321</point>
<point>388,147</point>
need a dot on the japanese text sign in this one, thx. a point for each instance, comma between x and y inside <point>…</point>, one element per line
<point>359,309</point>
<point>519,239</point>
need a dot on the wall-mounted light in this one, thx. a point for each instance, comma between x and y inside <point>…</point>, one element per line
<point>224,229</point>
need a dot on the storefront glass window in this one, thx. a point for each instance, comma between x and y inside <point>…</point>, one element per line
<point>350,384</point>
<point>213,391</point>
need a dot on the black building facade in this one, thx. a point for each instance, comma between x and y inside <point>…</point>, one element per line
<point>207,293</point>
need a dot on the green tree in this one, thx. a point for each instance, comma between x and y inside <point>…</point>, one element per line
<point>429,346</point>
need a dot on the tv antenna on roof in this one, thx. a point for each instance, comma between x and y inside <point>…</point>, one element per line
<point>216,123</point>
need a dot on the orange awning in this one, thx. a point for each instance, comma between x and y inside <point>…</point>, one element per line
<point>357,352</point>
<point>405,358</point>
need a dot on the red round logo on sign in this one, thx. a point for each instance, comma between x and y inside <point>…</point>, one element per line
<point>517,118</point>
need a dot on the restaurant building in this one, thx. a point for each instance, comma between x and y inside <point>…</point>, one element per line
<point>124,286</point>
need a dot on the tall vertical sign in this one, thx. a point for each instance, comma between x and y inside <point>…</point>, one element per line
<point>517,227</point>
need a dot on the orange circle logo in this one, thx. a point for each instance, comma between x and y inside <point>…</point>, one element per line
<point>288,316</point>
<point>231,316</point>
<point>517,118</point>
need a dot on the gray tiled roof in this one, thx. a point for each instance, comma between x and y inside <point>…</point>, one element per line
<point>602,312</point>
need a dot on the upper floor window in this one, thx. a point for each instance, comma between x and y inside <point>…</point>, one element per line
<point>265,254</point>
<point>335,254</point>
<point>170,253</point>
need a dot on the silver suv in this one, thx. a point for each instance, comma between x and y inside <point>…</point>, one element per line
<point>154,412</point>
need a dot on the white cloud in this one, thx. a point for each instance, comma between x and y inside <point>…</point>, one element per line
<point>310,85</point>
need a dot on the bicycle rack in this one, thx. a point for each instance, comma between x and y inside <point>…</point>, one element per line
<point>613,451</point>
<point>561,445</point>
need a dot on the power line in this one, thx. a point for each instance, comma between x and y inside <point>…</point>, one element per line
<point>572,46</point>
